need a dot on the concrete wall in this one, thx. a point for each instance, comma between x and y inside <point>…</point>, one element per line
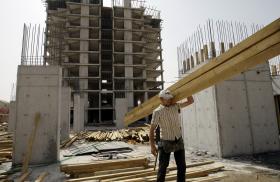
<point>65,113</point>
<point>12,117</point>
<point>234,117</point>
<point>200,122</point>
<point>38,90</point>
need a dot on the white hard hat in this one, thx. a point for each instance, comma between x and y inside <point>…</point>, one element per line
<point>165,94</point>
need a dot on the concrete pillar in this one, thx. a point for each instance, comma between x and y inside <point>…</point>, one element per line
<point>128,48</point>
<point>38,90</point>
<point>65,113</point>
<point>12,117</point>
<point>79,110</point>
<point>66,58</point>
<point>120,112</point>
<point>84,56</point>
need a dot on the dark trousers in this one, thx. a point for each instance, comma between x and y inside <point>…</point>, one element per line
<point>164,162</point>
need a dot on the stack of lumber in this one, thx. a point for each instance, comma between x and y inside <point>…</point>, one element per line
<point>132,135</point>
<point>3,126</point>
<point>138,135</point>
<point>136,170</point>
<point>256,49</point>
<point>78,169</point>
<point>6,144</point>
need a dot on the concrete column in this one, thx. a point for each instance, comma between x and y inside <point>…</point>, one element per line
<point>38,90</point>
<point>128,48</point>
<point>84,47</point>
<point>12,117</point>
<point>120,112</point>
<point>66,58</point>
<point>79,110</point>
<point>65,113</point>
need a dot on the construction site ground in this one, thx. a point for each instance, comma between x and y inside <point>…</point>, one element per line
<point>263,167</point>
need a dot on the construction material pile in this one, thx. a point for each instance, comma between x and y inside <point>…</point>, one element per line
<point>135,135</point>
<point>132,136</point>
<point>6,143</point>
<point>3,126</point>
<point>138,169</point>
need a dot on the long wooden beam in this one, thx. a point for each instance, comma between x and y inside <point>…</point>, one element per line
<point>255,50</point>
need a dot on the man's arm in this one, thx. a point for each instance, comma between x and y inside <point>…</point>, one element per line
<point>187,103</point>
<point>152,139</point>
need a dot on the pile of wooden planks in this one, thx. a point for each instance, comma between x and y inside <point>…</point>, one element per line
<point>3,126</point>
<point>132,135</point>
<point>137,170</point>
<point>6,144</point>
<point>256,49</point>
<point>138,135</point>
<point>78,169</point>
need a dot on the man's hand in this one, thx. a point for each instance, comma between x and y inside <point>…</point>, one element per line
<point>152,140</point>
<point>154,150</point>
<point>189,101</point>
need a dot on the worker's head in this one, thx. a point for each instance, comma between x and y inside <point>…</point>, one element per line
<point>165,97</point>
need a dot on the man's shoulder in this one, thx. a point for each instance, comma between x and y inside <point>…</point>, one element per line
<point>158,109</point>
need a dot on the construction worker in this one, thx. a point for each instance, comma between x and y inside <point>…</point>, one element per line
<point>166,116</point>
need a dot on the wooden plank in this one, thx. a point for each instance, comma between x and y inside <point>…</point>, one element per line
<point>211,178</point>
<point>194,164</point>
<point>30,143</point>
<point>196,172</point>
<point>104,165</point>
<point>122,174</point>
<point>24,176</point>
<point>42,177</point>
<point>118,170</point>
<point>6,154</point>
<point>147,107</point>
<point>225,72</point>
<point>128,172</point>
<point>119,176</point>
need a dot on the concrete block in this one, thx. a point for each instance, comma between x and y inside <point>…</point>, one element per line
<point>65,113</point>
<point>12,117</point>
<point>42,95</point>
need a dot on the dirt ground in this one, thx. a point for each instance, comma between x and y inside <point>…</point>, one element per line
<point>260,168</point>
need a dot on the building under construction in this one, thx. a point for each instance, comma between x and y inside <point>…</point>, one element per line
<point>111,56</point>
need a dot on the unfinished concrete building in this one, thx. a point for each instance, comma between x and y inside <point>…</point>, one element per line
<point>111,56</point>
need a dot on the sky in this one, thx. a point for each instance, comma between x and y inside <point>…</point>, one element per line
<point>180,19</point>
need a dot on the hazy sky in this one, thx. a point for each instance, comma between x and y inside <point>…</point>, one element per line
<point>180,19</point>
